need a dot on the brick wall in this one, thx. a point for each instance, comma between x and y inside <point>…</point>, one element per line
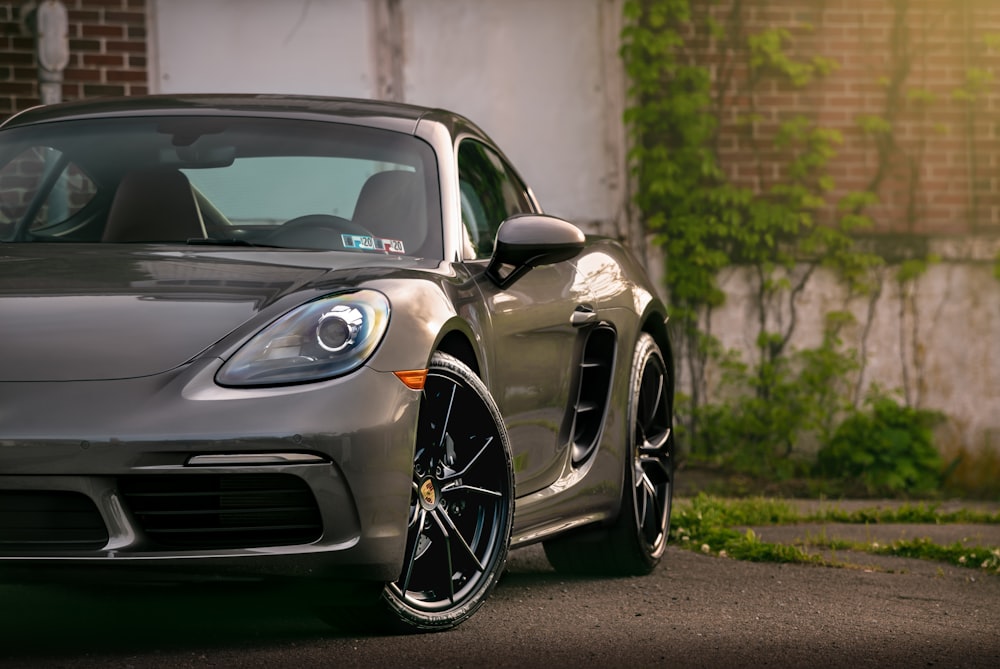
<point>107,41</point>
<point>915,96</point>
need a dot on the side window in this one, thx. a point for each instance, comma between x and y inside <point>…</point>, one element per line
<point>39,182</point>
<point>490,193</point>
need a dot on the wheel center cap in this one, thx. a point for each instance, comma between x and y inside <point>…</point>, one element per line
<point>428,494</point>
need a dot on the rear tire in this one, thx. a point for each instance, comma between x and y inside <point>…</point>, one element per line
<point>635,543</point>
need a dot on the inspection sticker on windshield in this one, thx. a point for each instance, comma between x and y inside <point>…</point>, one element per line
<point>366,243</point>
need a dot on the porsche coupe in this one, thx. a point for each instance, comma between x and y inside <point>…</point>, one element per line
<point>317,338</point>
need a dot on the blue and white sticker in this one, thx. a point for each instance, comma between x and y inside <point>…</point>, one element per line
<point>368,243</point>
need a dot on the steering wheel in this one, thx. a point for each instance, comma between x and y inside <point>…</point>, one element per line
<point>314,231</point>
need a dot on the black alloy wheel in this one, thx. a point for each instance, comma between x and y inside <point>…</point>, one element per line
<point>635,543</point>
<point>652,463</point>
<point>462,503</point>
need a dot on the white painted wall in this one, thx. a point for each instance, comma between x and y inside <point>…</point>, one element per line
<point>532,74</point>
<point>540,76</point>
<point>316,47</point>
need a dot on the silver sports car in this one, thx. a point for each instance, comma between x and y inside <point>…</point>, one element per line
<point>321,338</point>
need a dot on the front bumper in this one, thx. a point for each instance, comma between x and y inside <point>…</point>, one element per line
<point>110,442</point>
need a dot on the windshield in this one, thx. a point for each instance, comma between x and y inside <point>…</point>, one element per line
<point>216,180</point>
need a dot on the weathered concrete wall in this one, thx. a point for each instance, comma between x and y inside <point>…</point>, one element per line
<point>935,341</point>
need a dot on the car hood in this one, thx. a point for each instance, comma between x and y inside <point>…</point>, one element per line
<point>91,312</point>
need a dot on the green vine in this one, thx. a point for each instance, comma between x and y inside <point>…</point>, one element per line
<point>776,228</point>
<point>768,53</point>
<point>680,188</point>
<point>705,223</point>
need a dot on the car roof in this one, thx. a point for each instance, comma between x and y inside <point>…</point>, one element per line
<point>375,113</point>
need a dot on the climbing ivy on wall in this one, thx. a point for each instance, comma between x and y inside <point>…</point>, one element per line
<point>779,232</point>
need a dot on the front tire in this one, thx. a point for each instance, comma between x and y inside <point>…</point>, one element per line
<point>462,504</point>
<point>635,543</point>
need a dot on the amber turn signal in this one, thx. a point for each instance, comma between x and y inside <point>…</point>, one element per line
<point>413,378</point>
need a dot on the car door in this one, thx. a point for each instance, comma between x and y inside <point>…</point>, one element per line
<point>534,343</point>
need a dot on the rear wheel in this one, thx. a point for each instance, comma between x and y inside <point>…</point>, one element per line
<point>634,544</point>
<point>461,507</point>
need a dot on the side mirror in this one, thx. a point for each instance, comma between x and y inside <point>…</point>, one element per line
<point>529,240</point>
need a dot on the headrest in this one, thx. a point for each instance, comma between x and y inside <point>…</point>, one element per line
<point>154,205</point>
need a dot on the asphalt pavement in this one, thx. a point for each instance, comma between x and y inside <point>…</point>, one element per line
<point>695,610</point>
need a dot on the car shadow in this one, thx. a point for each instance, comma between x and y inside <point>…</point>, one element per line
<point>56,620</point>
<point>46,621</point>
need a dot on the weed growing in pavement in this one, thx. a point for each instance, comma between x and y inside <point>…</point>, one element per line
<point>907,513</point>
<point>956,554</point>
<point>707,524</point>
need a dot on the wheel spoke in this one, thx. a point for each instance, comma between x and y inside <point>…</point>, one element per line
<point>658,520</point>
<point>649,492</point>
<point>471,462</point>
<point>651,518</point>
<point>447,544</point>
<point>413,551</point>
<point>651,406</point>
<point>649,465</point>
<point>447,417</point>
<point>655,446</point>
<point>659,391</point>
<point>640,431</point>
<point>470,488</point>
<point>650,399</point>
<point>641,501</point>
<point>455,533</point>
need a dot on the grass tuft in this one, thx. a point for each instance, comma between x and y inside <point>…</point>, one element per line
<point>707,523</point>
<point>907,513</point>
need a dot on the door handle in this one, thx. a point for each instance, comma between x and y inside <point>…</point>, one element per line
<point>583,315</point>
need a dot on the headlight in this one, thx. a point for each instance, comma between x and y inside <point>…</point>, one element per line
<point>319,340</point>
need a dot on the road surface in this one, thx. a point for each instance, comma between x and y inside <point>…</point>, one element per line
<point>694,611</point>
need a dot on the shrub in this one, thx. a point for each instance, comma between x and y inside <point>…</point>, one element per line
<point>770,409</point>
<point>888,447</point>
